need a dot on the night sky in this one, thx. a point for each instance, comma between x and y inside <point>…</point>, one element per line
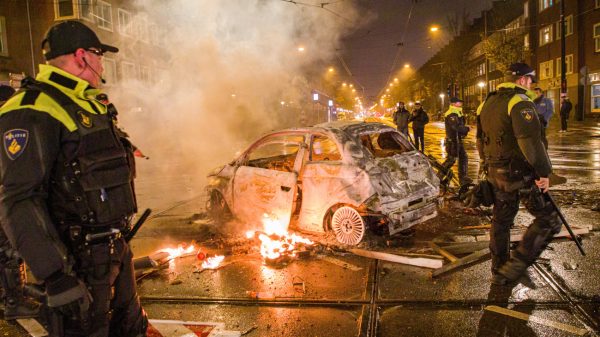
<point>372,53</point>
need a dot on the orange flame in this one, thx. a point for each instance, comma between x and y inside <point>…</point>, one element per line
<point>181,250</point>
<point>276,241</point>
<point>213,262</point>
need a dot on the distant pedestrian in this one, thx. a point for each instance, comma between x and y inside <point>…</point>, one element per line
<point>545,109</point>
<point>565,110</point>
<point>401,117</point>
<point>543,106</point>
<point>419,118</point>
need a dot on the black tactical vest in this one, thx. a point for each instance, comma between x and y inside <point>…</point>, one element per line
<point>500,145</point>
<point>92,182</point>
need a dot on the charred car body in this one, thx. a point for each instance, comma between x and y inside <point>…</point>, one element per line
<point>342,176</point>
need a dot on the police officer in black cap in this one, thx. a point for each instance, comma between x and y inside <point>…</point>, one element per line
<point>510,143</point>
<point>456,130</point>
<point>67,189</point>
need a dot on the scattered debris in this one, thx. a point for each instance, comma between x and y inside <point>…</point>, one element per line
<point>260,295</point>
<point>531,318</point>
<point>299,285</point>
<point>418,261</point>
<point>571,265</point>
<point>249,330</point>
<point>339,262</point>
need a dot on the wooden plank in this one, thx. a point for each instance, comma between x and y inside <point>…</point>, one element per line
<point>442,252</point>
<point>486,226</point>
<point>419,261</point>
<point>530,318</point>
<point>465,247</point>
<point>474,257</point>
<point>515,237</point>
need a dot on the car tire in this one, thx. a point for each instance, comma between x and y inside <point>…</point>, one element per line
<point>348,226</point>
<point>217,207</point>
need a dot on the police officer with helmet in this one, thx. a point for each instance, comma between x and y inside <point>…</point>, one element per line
<point>509,140</point>
<point>456,130</point>
<point>67,189</point>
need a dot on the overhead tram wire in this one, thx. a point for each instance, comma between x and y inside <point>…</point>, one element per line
<point>398,45</point>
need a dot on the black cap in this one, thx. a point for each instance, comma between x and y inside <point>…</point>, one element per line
<point>522,69</point>
<point>68,36</point>
<point>455,100</point>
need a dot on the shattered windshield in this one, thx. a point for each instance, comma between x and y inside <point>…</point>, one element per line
<point>385,144</point>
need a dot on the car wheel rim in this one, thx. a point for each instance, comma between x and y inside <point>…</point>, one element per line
<point>347,225</point>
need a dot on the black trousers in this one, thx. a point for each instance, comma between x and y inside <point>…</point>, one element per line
<point>419,135</point>
<point>563,121</point>
<point>456,150</point>
<point>116,310</point>
<point>537,236</point>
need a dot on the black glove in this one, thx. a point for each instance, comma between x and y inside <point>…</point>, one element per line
<point>69,295</point>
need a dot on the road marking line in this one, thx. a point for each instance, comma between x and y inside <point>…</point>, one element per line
<point>340,263</point>
<point>542,321</point>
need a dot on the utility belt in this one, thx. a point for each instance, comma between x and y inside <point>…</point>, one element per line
<point>81,236</point>
<point>512,169</point>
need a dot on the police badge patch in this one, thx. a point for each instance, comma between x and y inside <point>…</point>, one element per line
<point>84,119</point>
<point>527,115</point>
<point>15,142</point>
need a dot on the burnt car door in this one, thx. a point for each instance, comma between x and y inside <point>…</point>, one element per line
<point>265,182</point>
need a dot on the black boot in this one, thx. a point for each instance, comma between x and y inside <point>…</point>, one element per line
<point>16,305</point>
<point>510,272</point>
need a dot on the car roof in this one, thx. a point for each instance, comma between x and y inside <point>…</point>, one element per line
<point>352,128</point>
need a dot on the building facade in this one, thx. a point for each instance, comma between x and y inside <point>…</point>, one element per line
<point>117,22</point>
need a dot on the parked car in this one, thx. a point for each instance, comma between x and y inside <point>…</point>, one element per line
<point>344,176</point>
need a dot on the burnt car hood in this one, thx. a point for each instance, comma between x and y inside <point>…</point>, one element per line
<point>403,180</point>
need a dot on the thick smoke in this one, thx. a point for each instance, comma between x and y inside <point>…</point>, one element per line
<point>221,74</point>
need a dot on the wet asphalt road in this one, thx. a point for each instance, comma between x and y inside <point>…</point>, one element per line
<point>345,295</point>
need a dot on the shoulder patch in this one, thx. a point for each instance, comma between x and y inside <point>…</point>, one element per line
<point>15,142</point>
<point>527,115</point>
<point>84,119</point>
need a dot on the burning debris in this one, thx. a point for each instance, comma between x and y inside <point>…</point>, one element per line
<point>277,245</point>
<point>213,262</point>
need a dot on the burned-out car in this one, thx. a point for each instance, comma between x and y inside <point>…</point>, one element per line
<point>343,176</point>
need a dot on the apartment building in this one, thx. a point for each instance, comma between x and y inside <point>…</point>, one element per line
<point>117,22</point>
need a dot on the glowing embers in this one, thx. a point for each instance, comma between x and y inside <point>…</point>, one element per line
<point>277,245</point>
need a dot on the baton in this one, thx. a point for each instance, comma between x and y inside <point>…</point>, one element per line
<point>564,221</point>
<point>138,224</point>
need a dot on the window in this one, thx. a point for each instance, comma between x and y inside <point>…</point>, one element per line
<point>86,8</point>
<point>597,37</point>
<point>3,38</point>
<point>323,148</point>
<point>568,26</point>
<point>110,70</point>
<point>526,9</point>
<point>64,9</point>
<point>142,28</point>
<point>384,144</point>
<point>144,74</point>
<point>125,26</point>
<point>544,4</point>
<point>480,69</point>
<point>104,15</point>
<point>597,3</point>
<point>546,35</point>
<point>128,71</point>
<point>596,98</point>
<point>526,42</point>
<point>546,69</point>
<point>278,153</point>
<point>568,63</point>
